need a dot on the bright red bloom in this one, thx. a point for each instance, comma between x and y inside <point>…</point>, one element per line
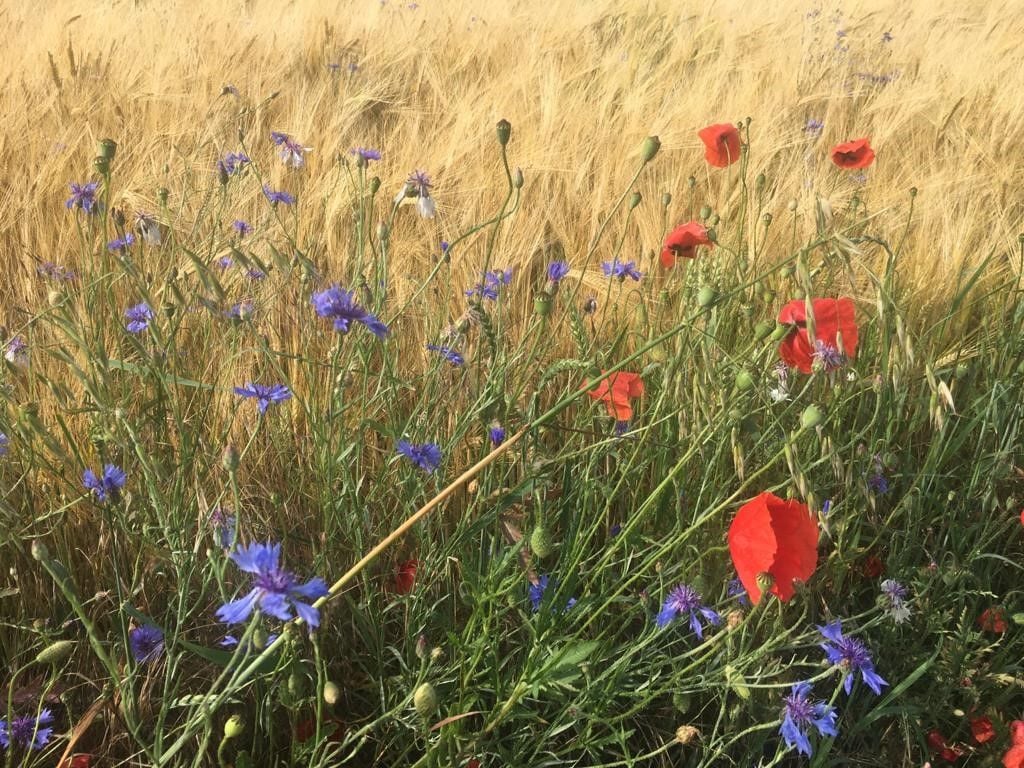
<point>982,730</point>
<point>405,576</point>
<point>722,144</point>
<point>832,318</point>
<point>993,620</point>
<point>77,761</point>
<point>1022,517</point>
<point>942,748</point>
<point>1014,758</point>
<point>777,537</point>
<point>683,241</point>
<point>616,391</point>
<point>853,154</point>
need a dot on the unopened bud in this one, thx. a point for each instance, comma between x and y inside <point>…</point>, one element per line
<point>762,330</point>
<point>234,727</point>
<point>517,178</point>
<point>162,194</point>
<point>230,459</point>
<point>691,182</point>
<point>108,148</point>
<point>56,652</point>
<point>102,165</point>
<point>55,298</point>
<point>744,381</point>
<point>666,199</point>
<point>504,132</point>
<point>705,212</point>
<point>39,551</point>
<point>374,185</point>
<point>425,700</point>
<point>811,417</point>
<point>767,219</point>
<point>706,296</point>
<point>331,692</point>
<point>634,200</point>
<point>650,148</point>
<point>541,543</point>
<point>421,646</point>
<point>759,182</point>
<point>791,205</point>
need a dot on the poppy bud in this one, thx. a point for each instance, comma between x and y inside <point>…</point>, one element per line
<point>296,683</point>
<point>374,185</point>
<point>634,200</point>
<point>331,692</point>
<point>715,218</point>
<point>788,271</point>
<point>234,727</point>
<point>705,212</point>
<point>650,148</point>
<point>425,700</point>
<point>706,296</point>
<point>913,191</point>
<point>811,417</point>
<point>712,236</point>
<point>102,165</point>
<point>230,459</point>
<point>763,329</point>
<point>540,541</point>
<point>666,199</point>
<point>517,178</point>
<point>686,734</point>
<point>259,638</point>
<point>55,298</point>
<point>767,218</point>
<point>162,194</point>
<point>744,381</point>
<point>421,646</point>
<point>791,205</point>
<point>765,581</point>
<point>108,148</point>
<point>504,131</point>
<point>691,182</point>
<point>759,182</point>
<point>56,652</point>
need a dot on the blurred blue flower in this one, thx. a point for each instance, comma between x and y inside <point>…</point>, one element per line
<point>621,270</point>
<point>737,590</point>
<point>800,713</point>
<point>264,394</point>
<point>55,271</point>
<point>557,270</point>
<point>895,595</point>
<point>146,642</point>
<point>225,527</point>
<point>364,154</point>
<point>496,433</point>
<point>292,153</point>
<point>27,731</point>
<point>449,354</point>
<point>814,126</point>
<point>243,228</point>
<point>492,282</point>
<point>537,590</point>
<point>276,197</point>
<point>232,163</point>
<point>241,311</point>
<point>5,444</point>
<point>108,486</point>
<point>138,317</point>
<point>686,601</point>
<point>121,243</point>
<point>254,273</point>
<point>851,655</point>
<point>275,591</point>
<point>426,456</point>
<point>16,352</point>
<point>340,305</point>
<point>83,196</point>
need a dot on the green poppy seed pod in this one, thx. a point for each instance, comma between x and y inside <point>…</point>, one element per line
<point>234,727</point>
<point>715,218</point>
<point>541,543</point>
<point>517,178</point>
<point>759,182</point>
<point>791,205</point>
<point>650,148</point>
<point>712,236</point>
<point>102,165</point>
<point>634,200</point>
<point>705,213</point>
<point>108,148</point>
<point>744,381</point>
<point>56,652</point>
<point>331,692</point>
<point>811,417</point>
<point>259,638</point>
<point>767,219</point>
<point>504,132</point>
<point>763,329</point>
<point>542,305</point>
<point>706,296</point>
<point>691,182</point>
<point>162,194</point>
<point>765,581</point>
<point>913,191</point>
<point>230,459</point>
<point>374,185</point>
<point>39,551</point>
<point>666,199</point>
<point>296,683</point>
<point>788,271</point>
<point>425,700</point>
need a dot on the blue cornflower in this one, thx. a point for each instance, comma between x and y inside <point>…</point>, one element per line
<point>444,246</point>
<point>83,196</point>
<point>5,444</point>
<point>225,526</point>
<point>814,127</point>
<point>291,151</point>
<point>686,601</point>
<point>148,228</point>
<point>121,243</point>
<point>364,155</point>
<point>146,643</point>
<point>275,591</point>
<point>265,394</point>
<point>557,270</point>
<point>895,598</point>
<point>255,274</point>
<point>737,590</point>
<point>340,305</point>
<point>16,352</point>
<point>876,480</point>
<point>621,270</point>
<point>496,433</point>
<point>276,197</point>
<point>138,317</point>
<point>55,271</point>
<point>800,713</point>
<point>537,589</point>
<point>852,655</point>
<point>241,311</point>
<point>243,228</point>
<point>27,731</point>
<point>225,261</point>
<point>827,357</point>
<point>621,427</point>
<point>826,507</point>
<point>492,282</point>
<point>426,456</point>
<point>108,486</point>
<point>230,641</point>
<point>449,354</point>
<point>232,163</point>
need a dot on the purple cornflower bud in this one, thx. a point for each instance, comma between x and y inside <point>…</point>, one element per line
<point>16,352</point>
<point>264,394</point>
<point>292,153</point>
<point>621,270</point>
<point>255,274</point>
<point>877,483</point>
<point>243,228</point>
<point>146,642</point>
<point>537,590</point>
<point>827,357</point>
<point>852,655</point>
<point>277,196</point>
<point>148,228</point>
<point>444,246</point>
<point>426,456</point>
<point>800,713</point>
<point>138,317</point>
<point>27,731</point>
<point>686,601</point>
<point>107,486</point>
<point>83,196</point>
<point>449,354</point>
<point>338,305</point>
<point>121,243</point>
<point>275,591</point>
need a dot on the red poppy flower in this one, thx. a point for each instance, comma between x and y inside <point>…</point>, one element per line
<point>982,730</point>
<point>616,391</point>
<point>474,763</point>
<point>1022,517</point>
<point>721,144</point>
<point>853,154</point>
<point>832,318</point>
<point>777,537</point>
<point>1014,758</point>
<point>942,748</point>
<point>993,620</point>
<point>77,761</point>
<point>683,241</point>
<point>405,576</point>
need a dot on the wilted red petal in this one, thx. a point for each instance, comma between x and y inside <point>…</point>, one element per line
<point>683,241</point>
<point>993,620</point>
<point>721,144</point>
<point>616,391</point>
<point>938,744</point>
<point>853,154</point>
<point>474,763</point>
<point>982,730</point>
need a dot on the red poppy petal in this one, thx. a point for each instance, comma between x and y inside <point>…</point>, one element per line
<point>797,554</point>
<point>796,351</point>
<point>752,543</point>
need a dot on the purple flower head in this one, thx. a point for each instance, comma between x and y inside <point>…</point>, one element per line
<point>826,507</point>
<point>83,196</point>
<point>686,601</point>
<point>621,427</point>
<point>887,37</point>
<point>737,590</point>
<point>232,163</point>
<point>876,480</point>
<point>55,271</point>
<point>146,643</point>
<point>5,444</point>
<point>557,270</point>
<point>138,317</point>
<point>225,527</point>
<point>229,88</point>
<point>255,274</point>
<point>621,270</point>
<point>364,155</point>
<point>444,246</point>
<point>418,185</point>
<point>276,197</point>
<point>121,243</point>
<point>338,305</point>
<point>242,311</point>
<point>537,590</point>
<point>243,228</point>
<point>275,591</point>
<point>420,182</point>
<point>800,713</point>
<point>107,486</point>
<point>852,655</point>
<point>265,394</point>
<point>492,283</point>
<point>27,731</point>
<point>814,127</point>
<point>426,456</point>
<point>225,261</point>
<point>827,357</point>
<point>449,354</point>
<point>291,151</point>
<point>894,598</point>
<point>16,352</point>
<point>496,433</point>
